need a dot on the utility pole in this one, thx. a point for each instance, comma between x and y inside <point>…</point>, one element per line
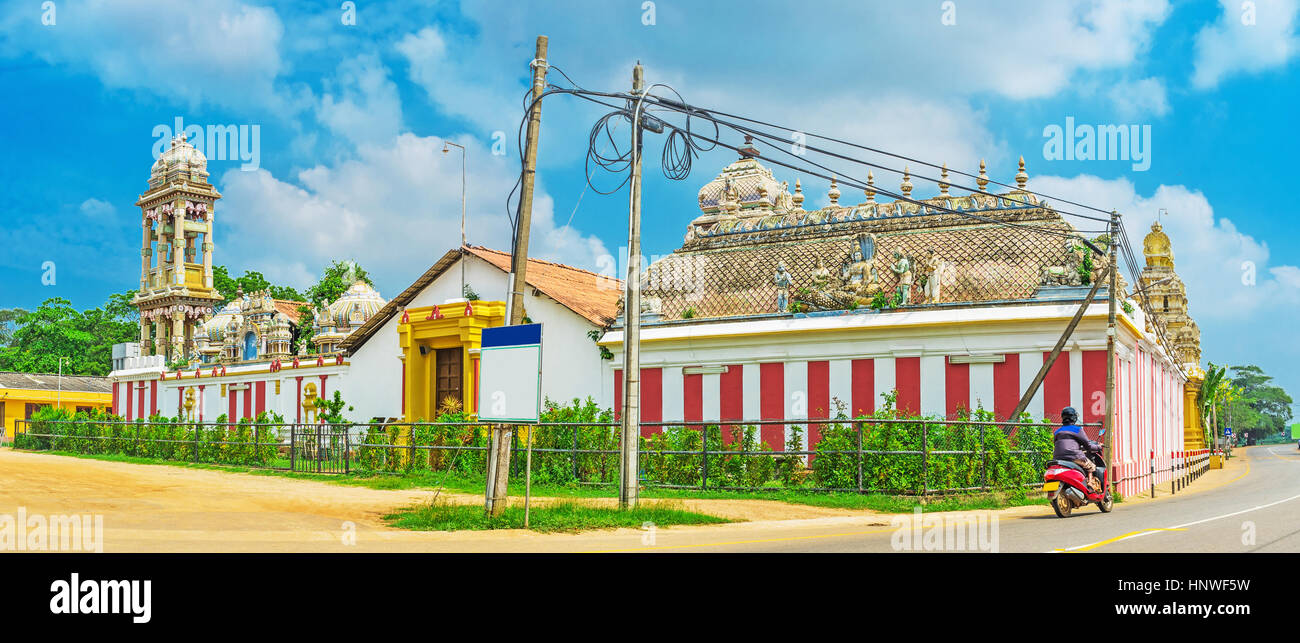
<point>629,463</point>
<point>1056,352</point>
<point>1111,332</point>
<point>497,488</point>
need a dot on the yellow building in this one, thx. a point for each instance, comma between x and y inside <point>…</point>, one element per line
<point>22,394</point>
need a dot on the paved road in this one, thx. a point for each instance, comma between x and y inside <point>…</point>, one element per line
<point>1253,505</point>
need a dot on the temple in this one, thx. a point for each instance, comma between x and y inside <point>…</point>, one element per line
<point>940,305</point>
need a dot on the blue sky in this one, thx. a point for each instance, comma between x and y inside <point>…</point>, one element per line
<point>351,118</point>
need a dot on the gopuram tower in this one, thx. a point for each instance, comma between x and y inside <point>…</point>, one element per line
<point>176,292</point>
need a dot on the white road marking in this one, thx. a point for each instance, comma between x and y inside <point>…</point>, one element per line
<point>1186,524</point>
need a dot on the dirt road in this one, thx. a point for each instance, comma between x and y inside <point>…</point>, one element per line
<point>156,508</point>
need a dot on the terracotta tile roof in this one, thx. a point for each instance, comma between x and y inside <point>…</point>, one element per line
<point>289,308</point>
<point>593,296</point>
<point>50,382</point>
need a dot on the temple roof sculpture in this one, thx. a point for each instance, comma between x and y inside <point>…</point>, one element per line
<point>250,326</point>
<point>847,256</point>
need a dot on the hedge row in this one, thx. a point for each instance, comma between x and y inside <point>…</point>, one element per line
<point>161,437</point>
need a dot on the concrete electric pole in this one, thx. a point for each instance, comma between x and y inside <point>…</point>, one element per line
<point>631,430</point>
<point>1111,332</point>
<point>499,480</point>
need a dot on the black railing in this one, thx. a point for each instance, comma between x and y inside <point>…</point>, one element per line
<point>864,455</point>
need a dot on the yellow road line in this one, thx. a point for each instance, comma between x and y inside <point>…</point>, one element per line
<point>742,542</point>
<point>1130,534</point>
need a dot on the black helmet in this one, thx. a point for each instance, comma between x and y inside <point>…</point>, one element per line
<point>1069,415</point>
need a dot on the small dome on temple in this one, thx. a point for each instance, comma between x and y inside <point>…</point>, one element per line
<point>754,185</point>
<point>180,161</point>
<point>353,308</point>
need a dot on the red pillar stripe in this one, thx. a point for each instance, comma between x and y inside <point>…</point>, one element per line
<point>819,398</point>
<point>731,397</point>
<point>693,397</point>
<point>907,381</point>
<point>618,394</point>
<point>863,387</point>
<point>652,399</point>
<point>116,409</point>
<point>180,400</point>
<point>1056,387</point>
<point>130,399</point>
<point>230,403</point>
<point>139,409</point>
<point>248,400</point>
<point>201,387</point>
<point>1094,386</point>
<point>1006,386</point>
<point>956,386</point>
<point>261,398</point>
<point>297,400</point>
<point>771,406</point>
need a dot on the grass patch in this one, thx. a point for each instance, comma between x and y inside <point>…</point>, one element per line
<point>568,516</point>
<point>432,479</point>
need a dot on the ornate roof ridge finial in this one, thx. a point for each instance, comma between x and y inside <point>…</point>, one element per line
<point>907,183</point>
<point>870,190</point>
<point>983,180</point>
<point>748,150</point>
<point>797,197</point>
<point>1021,177</point>
<point>943,180</point>
<point>834,192</point>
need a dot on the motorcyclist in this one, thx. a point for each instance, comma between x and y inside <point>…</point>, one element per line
<point>1071,443</point>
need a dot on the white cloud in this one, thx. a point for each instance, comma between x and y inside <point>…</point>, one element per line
<point>1138,98</point>
<point>1248,38</point>
<point>456,80</point>
<point>228,53</point>
<point>1209,251</point>
<point>394,208</point>
<point>367,108</point>
<point>97,209</point>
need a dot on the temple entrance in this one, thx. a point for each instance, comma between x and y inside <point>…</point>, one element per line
<point>250,345</point>
<point>448,381</point>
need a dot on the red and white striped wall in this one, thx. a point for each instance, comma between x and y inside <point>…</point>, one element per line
<point>938,363</point>
<point>243,392</point>
<point>935,385</point>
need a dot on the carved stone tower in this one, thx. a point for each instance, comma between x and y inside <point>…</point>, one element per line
<point>176,291</point>
<point>1168,297</point>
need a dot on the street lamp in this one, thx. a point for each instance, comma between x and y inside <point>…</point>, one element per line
<point>446,147</point>
<point>58,400</point>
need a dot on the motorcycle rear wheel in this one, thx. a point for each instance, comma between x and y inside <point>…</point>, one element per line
<point>1106,504</point>
<point>1061,506</point>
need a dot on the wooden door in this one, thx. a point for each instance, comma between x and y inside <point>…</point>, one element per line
<point>447,361</point>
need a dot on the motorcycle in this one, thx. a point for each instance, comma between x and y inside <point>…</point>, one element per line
<point>1066,486</point>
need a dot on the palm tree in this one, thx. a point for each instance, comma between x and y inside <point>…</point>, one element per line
<point>1206,399</point>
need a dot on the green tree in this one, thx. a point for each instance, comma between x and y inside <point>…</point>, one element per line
<point>1260,407</point>
<point>9,323</point>
<point>252,281</point>
<point>84,339</point>
<point>336,279</point>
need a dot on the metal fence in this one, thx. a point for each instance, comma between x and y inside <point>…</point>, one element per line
<point>865,455</point>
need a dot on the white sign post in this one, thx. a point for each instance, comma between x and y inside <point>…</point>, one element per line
<point>510,387</point>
